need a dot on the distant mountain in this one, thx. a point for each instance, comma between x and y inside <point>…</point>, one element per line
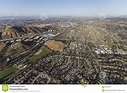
<point>18,31</point>
<point>18,17</point>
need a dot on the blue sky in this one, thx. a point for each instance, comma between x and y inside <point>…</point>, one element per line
<point>62,7</point>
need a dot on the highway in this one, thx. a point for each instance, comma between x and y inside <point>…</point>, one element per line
<point>28,36</point>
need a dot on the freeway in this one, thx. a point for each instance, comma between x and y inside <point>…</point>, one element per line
<point>30,52</point>
<point>29,36</point>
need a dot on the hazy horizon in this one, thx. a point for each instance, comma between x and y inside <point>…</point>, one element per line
<point>78,8</point>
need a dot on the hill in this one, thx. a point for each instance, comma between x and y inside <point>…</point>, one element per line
<point>18,31</point>
<point>55,45</point>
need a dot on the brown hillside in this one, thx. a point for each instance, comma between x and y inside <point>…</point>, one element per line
<point>55,45</point>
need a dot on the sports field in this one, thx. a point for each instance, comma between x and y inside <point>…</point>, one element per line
<point>41,53</point>
<point>7,73</point>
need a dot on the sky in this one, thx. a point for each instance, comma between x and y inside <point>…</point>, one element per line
<point>63,7</point>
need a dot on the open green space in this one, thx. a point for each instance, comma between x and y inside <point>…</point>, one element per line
<point>44,52</point>
<point>7,73</point>
<point>106,43</point>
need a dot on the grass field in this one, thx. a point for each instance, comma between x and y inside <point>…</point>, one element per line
<point>7,73</point>
<point>44,52</point>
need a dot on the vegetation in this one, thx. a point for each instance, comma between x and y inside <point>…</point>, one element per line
<point>7,73</point>
<point>44,52</point>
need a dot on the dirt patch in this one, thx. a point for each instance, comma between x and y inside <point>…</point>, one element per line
<point>38,52</point>
<point>55,45</point>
